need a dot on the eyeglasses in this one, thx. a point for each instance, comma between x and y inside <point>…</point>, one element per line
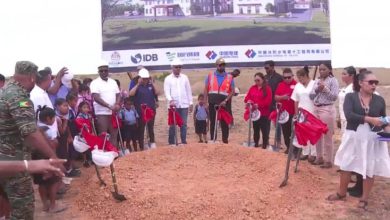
<point>177,67</point>
<point>287,77</point>
<point>372,82</point>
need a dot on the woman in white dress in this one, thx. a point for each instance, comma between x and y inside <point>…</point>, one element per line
<point>360,150</point>
<point>347,76</point>
<point>302,100</point>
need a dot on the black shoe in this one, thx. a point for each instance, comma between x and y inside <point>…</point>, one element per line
<point>355,192</point>
<point>73,173</point>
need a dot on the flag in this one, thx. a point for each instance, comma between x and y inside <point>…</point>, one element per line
<point>179,120</point>
<point>114,122</point>
<point>98,141</point>
<point>224,115</point>
<point>81,122</point>
<point>309,128</point>
<point>147,113</point>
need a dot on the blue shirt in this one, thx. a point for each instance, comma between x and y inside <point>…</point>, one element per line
<point>129,117</point>
<point>62,93</point>
<point>144,95</point>
<point>220,78</point>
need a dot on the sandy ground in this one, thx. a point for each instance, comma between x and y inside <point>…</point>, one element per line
<point>216,181</point>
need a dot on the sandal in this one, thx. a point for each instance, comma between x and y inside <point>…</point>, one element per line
<point>311,159</point>
<point>363,204</point>
<point>336,197</point>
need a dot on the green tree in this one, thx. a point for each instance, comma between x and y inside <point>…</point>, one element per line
<point>107,6</point>
<point>269,7</point>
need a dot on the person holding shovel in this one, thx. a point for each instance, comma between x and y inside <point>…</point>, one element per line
<point>219,89</point>
<point>178,92</point>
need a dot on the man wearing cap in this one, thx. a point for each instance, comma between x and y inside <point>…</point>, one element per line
<point>145,93</point>
<point>219,89</point>
<point>18,127</point>
<point>106,101</point>
<point>178,93</point>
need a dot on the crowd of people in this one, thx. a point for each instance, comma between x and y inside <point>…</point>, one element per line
<point>38,113</point>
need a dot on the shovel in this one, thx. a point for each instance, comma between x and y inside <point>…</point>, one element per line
<point>276,146</point>
<point>116,194</point>
<point>101,182</point>
<point>291,151</point>
<point>216,107</point>
<point>123,151</point>
<point>249,143</point>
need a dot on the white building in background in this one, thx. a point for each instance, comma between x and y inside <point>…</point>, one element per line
<point>252,7</point>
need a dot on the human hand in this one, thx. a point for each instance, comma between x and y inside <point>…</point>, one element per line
<point>255,106</point>
<point>191,108</point>
<point>62,72</point>
<point>223,103</point>
<point>375,121</point>
<point>321,86</point>
<point>46,166</point>
<point>139,81</point>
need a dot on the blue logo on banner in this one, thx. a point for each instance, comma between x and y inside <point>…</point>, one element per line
<point>211,55</point>
<point>136,58</point>
<point>250,53</point>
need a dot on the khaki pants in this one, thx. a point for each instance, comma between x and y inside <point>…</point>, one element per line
<point>324,147</point>
<point>104,124</point>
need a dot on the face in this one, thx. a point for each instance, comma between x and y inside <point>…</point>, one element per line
<point>103,72</point>
<point>176,69</point>
<point>145,81</point>
<point>201,100</point>
<point>288,77</point>
<point>128,105</point>
<point>269,69</point>
<point>324,71</point>
<point>50,121</point>
<point>221,67</point>
<point>258,81</point>
<point>368,85</point>
<point>346,78</point>
<point>30,82</point>
<point>73,103</point>
<point>2,84</point>
<point>63,108</point>
<point>45,85</point>
<point>85,109</point>
<point>302,79</point>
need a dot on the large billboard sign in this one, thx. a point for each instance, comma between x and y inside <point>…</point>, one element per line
<point>154,32</point>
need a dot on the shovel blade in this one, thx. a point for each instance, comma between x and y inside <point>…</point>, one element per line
<point>118,197</point>
<point>284,183</point>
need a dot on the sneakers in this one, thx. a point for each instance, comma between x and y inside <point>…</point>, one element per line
<point>153,145</point>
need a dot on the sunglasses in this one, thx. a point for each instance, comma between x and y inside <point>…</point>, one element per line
<point>287,77</point>
<point>372,82</point>
<point>177,67</point>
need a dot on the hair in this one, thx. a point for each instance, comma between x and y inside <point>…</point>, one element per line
<point>350,70</point>
<point>287,70</point>
<point>25,68</point>
<point>201,95</point>
<point>361,70</point>
<point>71,96</point>
<point>83,88</point>
<point>359,77</point>
<point>2,78</point>
<point>42,76</point>
<point>304,72</point>
<point>264,85</point>
<point>44,112</point>
<point>59,101</point>
<point>328,65</point>
<point>81,106</point>
<point>269,62</point>
<point>118,83</point>
<point>86,81</point>
<point>236,71</point>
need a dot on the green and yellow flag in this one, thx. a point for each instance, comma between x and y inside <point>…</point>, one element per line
<point>24,104</point>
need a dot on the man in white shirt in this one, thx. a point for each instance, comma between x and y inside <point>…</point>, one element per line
<point>178,93</point>
<point>40,97</point>
<point>106,96</point>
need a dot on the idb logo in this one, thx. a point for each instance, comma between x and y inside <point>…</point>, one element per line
<point>143,57</point>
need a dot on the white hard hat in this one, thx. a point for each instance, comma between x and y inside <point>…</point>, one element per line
<point>176,62</point>
<point>80,144</point>
<point>103,159</point>
<point>66,80</point>
<point>143,73</point>
<point>283,117</point>
<point>102,63</point>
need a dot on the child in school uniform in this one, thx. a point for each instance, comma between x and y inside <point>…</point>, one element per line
<point>201,120</point>
<point>84,115</point>
<point>129,117</point>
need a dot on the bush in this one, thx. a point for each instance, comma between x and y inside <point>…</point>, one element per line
<point>161,77</point>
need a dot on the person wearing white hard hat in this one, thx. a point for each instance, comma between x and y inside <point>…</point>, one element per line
<point>178,93</point>
<point>144,93</point>
<point>106,96</point>
<point>61,85</point>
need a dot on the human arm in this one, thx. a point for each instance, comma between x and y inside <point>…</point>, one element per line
<point>352,116</point>
<point>133,90</point>
<point>279,96</point>
<point>167,90</point>
<point>10,168</point>
<point>189,94</point>
<point>231,94</point>
<point>57,83</point>
<point>314,92</point>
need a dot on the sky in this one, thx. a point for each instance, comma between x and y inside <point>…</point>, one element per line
<point>59,33</point>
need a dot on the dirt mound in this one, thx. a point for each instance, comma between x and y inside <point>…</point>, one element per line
<point>200,182</point>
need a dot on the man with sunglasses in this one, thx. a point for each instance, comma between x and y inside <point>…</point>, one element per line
<point>178,92</point>
<point>106,96</point>
<point>219,89</point>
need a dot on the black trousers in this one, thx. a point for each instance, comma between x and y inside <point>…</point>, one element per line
<point>141,132</point>
<point>264,125</point>
<point>224,126</point>
<point>286,128</point>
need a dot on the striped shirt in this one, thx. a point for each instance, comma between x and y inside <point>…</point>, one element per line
<point>328,95</point>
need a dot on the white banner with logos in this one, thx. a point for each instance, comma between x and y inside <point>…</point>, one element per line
<point>232,54</point>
